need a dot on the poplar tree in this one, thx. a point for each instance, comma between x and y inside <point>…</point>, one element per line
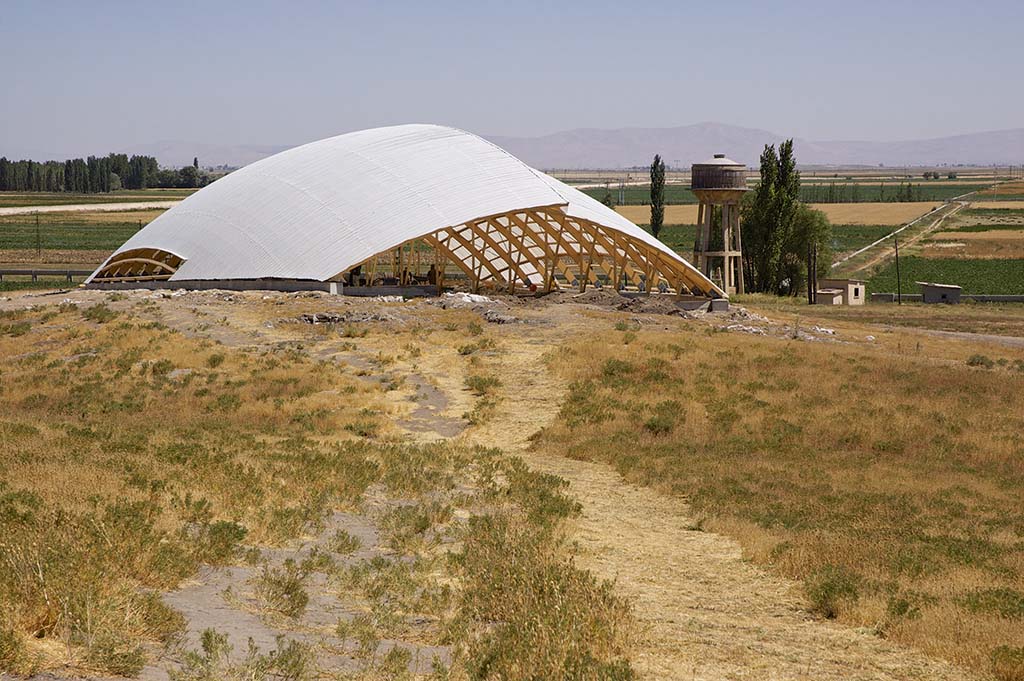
<point>778,231</point>
<point>657,195</point>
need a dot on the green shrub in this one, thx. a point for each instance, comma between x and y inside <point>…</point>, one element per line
<point>227,402</point>
<point>660,424</point>
<point>482,385</point>
<point>617,370</point>
<point>114,654</point>
<point>1008,663</point>
<point>101,314</point>
<point>219,541</point>
<point>283,589</point>
<point>364,427</point>
<point>161,368</point>
<point>16,329</point>
<point>980,361</point>
<point>214,361</point>
<point>829,587</point>
<point>291,661</point>
<point>395,664</point>
<point>344,543</point>
<point>1005,602</point>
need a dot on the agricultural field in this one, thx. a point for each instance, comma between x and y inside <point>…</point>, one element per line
<point>18,199</point>
<point>994,276</point>
<point>979,248</point>
<point>53,241</point>
<point>810,192</point>
<point>849,238</point>
<point>1008,191</point>
<point>838,213</point>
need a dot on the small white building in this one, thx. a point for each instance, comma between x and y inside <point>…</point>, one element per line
<point>828,296</point>
<point>939,293</point>
<point>853,291</point>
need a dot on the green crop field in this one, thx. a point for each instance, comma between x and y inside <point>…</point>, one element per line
<point>1002,197</point>
<point>975,276</point>
<point>810,192</point>
<point>856,192</point>
<point>993,213</point>
<point>18,199</point>
<point>26,285</point>
<point>679,238</point>
<point>987,227</point>
<point>846,238</point>
<point>641,194</point>
<point>22,234</point>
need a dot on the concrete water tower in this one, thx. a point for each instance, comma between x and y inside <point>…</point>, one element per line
<point>719,184</point>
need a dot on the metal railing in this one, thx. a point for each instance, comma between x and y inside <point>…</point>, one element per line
<point>36,274</point>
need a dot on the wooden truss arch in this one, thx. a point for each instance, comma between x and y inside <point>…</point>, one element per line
<point>140,264</point>
<point>541,248</point>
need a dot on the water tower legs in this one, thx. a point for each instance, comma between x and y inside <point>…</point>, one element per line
<point>720,262</point>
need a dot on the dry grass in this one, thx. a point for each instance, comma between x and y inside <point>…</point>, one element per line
<point>91,217</point>
<point>886,213</point>
<point>997,204</point>
<point>976,245</point>
<point>674,215</point>
<point>132,454</point>
<point>1007,188</point>
<point>51,258</point>
<point>998,319</point>
<point>888,483</point>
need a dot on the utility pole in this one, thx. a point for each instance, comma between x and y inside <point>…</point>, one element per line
<point>899,285</point>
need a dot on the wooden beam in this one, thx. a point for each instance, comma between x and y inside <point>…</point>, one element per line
<point>505,254</point>
<point>547,227</point>
<point>553,256</point>
<point>480,257</point>
<point>521,246</point>
<point>577,233</point>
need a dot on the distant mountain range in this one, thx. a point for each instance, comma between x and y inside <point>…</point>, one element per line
<point>679,147</point>
<point>589,148</point>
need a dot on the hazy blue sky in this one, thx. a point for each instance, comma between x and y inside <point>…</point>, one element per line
<point>92,75</point>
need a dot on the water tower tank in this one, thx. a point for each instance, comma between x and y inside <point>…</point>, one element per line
<point>719,173</point>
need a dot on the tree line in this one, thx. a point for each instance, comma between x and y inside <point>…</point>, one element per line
<point>95,175</point>
<point>856,192</point>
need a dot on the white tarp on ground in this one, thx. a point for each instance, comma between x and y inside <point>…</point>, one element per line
<point>318,209</point>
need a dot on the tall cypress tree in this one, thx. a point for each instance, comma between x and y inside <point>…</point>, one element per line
<point>782,239</point>
<point>657,195</point>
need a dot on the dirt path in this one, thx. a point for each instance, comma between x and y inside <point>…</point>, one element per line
<point>888,252</point>
<point>706,613</point>
<point>90,207</point>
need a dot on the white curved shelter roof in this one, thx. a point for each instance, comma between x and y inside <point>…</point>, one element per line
<point>315,211</point>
